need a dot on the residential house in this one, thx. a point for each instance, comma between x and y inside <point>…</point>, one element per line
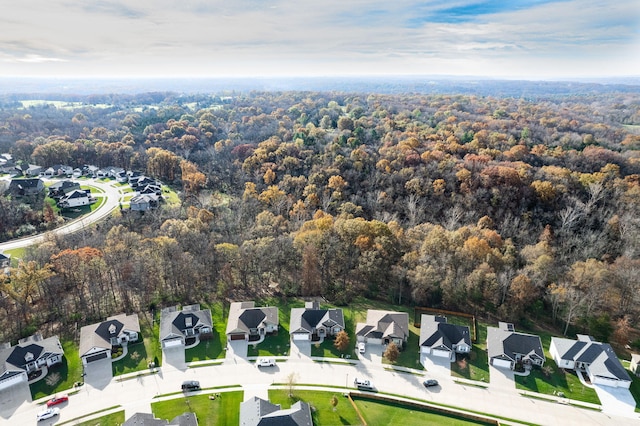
<point>77,172</point>
<point>32,354</point>
<point>25,187</point>
<point>246,322</point>
<point>184,327</point>
<point>76,198</point>
<point>597,360</point>
<point>5,260</point>
<point>27,170</point>
<point>147,419</point>
<point>258,412</point>
<point>97,340</point>
<point>634,366</point>
<point>441,339</point>
<point>384,327</point>
<point>149,189</point>
<point>313,323</point>
<point>144,202</point>
<point>122,177</point>
<point>141,182</point>
<point>60,188</point>
<point>508,348</point>
<point>58,170</point>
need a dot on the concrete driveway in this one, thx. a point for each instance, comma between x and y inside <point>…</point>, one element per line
<point>12,397</point>
<point>437,367</point>
<point>98,374</point>
<point>300,350</point>
<point>236,351</point>
<point>373,354</point>
<point>501,379</point>
<point>173,358</point>
<point>617,401</point>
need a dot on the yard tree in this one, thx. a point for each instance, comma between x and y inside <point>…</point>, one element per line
<point>334,402</point>
<point>341,341</point>
<point>392,352</point>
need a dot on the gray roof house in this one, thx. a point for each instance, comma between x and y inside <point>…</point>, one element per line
<point>5,260</point>
<point>184,327</point>
<point>441,339</point>
<point>506,347</point>
<point>31,354</point>
<point>144,202</point>
<point>313,323</point>
<point>258,412</point>
<point>147,419</point>
<point>96,340</point>
<point>22,187</point>
<point>246,322</point>
<point>60,188</point>
<point>597,360</point>
<point>384,327</point>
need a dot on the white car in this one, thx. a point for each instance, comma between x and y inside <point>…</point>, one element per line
<point>48,413</point>
<point>361,347</point>
<point>266,362</point>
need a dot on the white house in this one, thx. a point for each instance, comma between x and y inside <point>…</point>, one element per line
<point>179,327</point>
<point>31,354</point>
<point>597,360</point>
<point>76,198</point>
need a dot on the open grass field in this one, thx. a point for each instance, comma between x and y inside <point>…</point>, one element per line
<point>378,413</point>
<point>223,411</point>
<point>114,419</point>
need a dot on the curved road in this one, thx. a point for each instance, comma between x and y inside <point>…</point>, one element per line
<point>110,192</point>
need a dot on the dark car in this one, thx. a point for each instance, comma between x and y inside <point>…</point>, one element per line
<point>430,382</point>
<point>57,400</point>
<point>190,385</point>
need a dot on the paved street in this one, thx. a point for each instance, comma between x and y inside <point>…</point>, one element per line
<point>136,394</point>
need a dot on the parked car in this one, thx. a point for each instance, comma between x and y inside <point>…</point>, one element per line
<point>361,347</point>
<point>266,362</point>
<point>190,385</point>
<point>48,413</point>
<point>57,400</point>
<point>430,382</point>
<point>363,384</point>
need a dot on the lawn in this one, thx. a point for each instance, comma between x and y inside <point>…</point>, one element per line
<point>635,388</point>
<point>379,413</point>
<point>16,254</point>
<point>141,353</point>
<point>68,372</point>
<point>557,381</point>
<point>114,419</point>
<point>475,366</point>
<point>212,348</point>
<point>322,411</point>
<point>276,344</point>
<point>220,412</point>
<point>410,356</point>
<point>326,348</point>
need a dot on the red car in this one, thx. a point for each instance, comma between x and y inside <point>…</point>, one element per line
<point>57,400</point>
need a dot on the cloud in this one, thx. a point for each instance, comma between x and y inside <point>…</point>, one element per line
<point>208,37</point>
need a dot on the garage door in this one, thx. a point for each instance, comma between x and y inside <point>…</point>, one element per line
<point>98,357</point>
<point>300,336</point>
<point>237,337</point>
<point>501,363</point>
<point>172,343</point>
<point>12,381</point>
<point>440,353</point>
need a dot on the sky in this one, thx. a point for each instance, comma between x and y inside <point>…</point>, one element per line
<point>519,39</point>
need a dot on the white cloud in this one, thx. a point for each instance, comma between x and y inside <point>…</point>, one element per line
<point>254,37</point>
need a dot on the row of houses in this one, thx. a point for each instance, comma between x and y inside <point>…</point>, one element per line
<point>510,349</point>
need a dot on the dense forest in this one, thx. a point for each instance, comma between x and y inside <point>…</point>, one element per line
<point>524,209</point>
